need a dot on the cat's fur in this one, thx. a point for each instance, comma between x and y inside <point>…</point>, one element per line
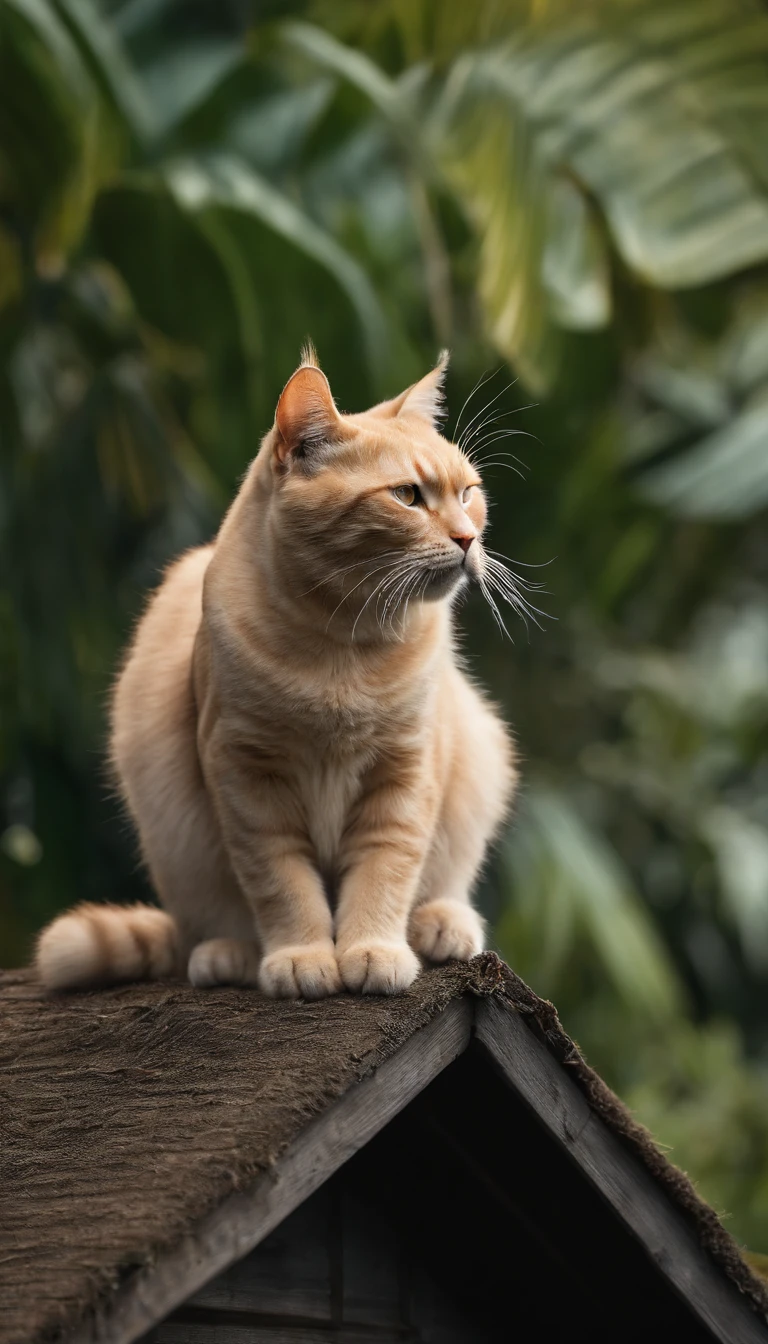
<point>313,778</point>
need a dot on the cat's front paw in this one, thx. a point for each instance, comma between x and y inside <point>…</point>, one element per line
<point>446,930</point>
<point>303,971</point>
<point>378,968</point>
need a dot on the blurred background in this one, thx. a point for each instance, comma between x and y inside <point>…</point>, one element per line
<point>574,198</point>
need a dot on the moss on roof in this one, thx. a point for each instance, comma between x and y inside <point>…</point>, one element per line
<point>127,1115</point>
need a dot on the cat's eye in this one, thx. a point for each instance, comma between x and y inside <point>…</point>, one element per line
<point>466,494</point>
<point>407,494</point>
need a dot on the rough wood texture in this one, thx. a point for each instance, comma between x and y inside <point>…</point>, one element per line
<point>244,1333</point>
<point>244,1219</point>
<point>128,1115</point>
<point>287,1275</point>
<point>151,1134</point>
<point>337,1266</point>
<point>659,1226</point>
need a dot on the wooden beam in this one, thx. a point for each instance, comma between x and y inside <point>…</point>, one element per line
<point>244,1219</point>
<point>620,1177</point>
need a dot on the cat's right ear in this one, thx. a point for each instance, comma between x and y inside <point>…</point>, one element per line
<point>306,417</point>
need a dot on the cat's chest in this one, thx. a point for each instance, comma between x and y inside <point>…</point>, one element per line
<point>339,746</point>
<point>330,790</point>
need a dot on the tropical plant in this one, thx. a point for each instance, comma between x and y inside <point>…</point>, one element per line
<point>575,194</point>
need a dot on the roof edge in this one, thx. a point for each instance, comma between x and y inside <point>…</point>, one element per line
<point>493,979</point>
<point>244,1218</point>
<point>637,1198</point>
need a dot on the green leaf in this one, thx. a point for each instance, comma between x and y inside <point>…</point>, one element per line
<point>109,66</point>
<point>555,857</point>
<point>358,69</point>
<point>642,110</point>
<point>179,82</point>
<point>724,477</point>
<point>49,137</point>
<point>54,36</point>
<point>574,264</point>
<point>271,133</point>
<point>741,853</point>
<point>396,100</point>
<point>494,166</point>
<point>228,183</point>
<point>646,110</point>
<point>697,396</point>
<point>744,351</point>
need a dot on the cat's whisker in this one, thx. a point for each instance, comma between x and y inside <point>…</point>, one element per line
<point>478,458</point>
<point>485,590</point>
<point>481,412</point>
<point>345,570</point>
<point>487,424</point>
<point>508,592</point>
<point>346,596</point>
<point>412,580</point>
<point>507,465</point>
<point>468,439</point>
<point>509,575</point>
<point>530,586</point>
<point>522,564</point>
<point>488,429</point>
<point>482,380</point>
<point>387,579</point>
<point>393,599</point>
<point>521,609</point>
<point>391,583</point>
<point>487,444</point>
<point>415,591</point>
<point>504,584</point>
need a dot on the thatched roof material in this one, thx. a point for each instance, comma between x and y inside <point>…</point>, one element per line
<point>127,1115</point>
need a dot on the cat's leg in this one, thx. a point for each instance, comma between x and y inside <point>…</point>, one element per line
<point>382,859</point>
<point>192,875</point>
<point>272,859</point>
<point>444,925</point>
<point>182,847</point>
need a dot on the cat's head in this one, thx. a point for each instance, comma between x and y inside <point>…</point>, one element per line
<point>367,513</point>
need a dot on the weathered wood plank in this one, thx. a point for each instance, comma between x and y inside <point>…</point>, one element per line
<point>288,1274</point>
<point>622,1181</point>
<point>244,1219</point>
<point>374,1282</point>
<point>186,1333</point>
<point>340,1261</point>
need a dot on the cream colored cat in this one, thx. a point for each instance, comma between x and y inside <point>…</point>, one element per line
<point>313,777</point>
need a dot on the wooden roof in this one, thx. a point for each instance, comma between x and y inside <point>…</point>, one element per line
<point>153,1134</point>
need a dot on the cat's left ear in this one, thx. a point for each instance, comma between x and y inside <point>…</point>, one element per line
<point>424,398</point>
<point>306,418</point>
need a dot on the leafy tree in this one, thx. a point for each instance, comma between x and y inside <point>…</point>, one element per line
<point>575,199</point>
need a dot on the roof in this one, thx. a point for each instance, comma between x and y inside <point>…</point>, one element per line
<point>152,1134</point>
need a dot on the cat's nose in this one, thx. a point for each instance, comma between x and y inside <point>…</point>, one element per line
<point>463,542</point>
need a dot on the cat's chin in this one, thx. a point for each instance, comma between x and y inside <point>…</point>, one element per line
<point>444,582</point>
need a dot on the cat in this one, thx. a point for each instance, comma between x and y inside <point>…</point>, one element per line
<point>314,779</point>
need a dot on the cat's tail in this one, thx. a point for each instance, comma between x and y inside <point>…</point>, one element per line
<point>104,944</point>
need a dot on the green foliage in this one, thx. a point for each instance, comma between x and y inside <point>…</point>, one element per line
<point>701,1099</point>
<point>572,894</point>
<point>578,193</point>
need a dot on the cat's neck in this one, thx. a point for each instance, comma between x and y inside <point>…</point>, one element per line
<point>264,595</point>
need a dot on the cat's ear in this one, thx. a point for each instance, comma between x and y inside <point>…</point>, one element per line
<point>424,398</point>
<point>306,416</point>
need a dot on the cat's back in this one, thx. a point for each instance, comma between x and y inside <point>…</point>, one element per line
<point>153,690</point>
